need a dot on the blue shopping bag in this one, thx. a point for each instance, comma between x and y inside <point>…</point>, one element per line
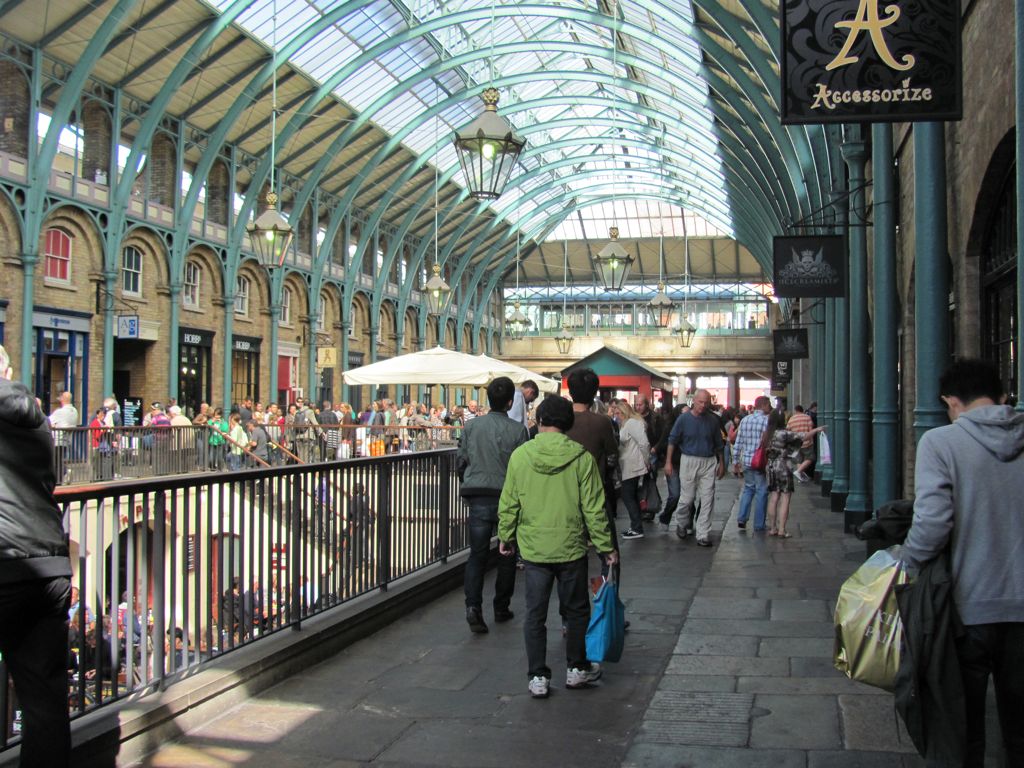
<point>607,631</point>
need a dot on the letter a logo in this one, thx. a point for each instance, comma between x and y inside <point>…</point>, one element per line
<point>867,19</point>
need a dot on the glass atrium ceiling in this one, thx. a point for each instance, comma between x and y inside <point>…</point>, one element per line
<point>629,121</point>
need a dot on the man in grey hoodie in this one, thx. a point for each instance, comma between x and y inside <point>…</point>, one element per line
<point>969,487</point>
<point>35,587</point>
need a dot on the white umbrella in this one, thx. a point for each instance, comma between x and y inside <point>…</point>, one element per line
<point>431,366</point>
<point>518,374</point>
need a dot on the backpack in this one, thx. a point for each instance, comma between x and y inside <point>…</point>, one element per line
<point>301,420</point>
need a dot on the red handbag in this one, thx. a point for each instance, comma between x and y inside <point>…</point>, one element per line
<point>759,461</point>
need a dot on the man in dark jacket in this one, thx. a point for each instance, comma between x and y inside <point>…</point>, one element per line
<point>486,445</point>
<point>35,573</point>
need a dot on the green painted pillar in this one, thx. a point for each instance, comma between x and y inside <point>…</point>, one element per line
<point>312,377</point>
<point>931,275</point>
<point>343,361</point>
<point>109,285</point>
<point>229,348</point>
<point>840,433</point>
<point>858,502</point>
<point>885,437</point>
<point>24,371</point>
<point>828,359</point>
<point>275,335</point>
<point>1019,54</point>
<point>173,351</point>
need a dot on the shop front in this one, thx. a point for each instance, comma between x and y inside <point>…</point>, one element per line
<point>287,373</point>
<point>195,363</point>
<point>60,357</point>
<point>245,369</point>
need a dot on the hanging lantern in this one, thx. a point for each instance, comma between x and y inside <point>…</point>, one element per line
<point>270,235</point>
<point>686,331</point>
<point>437,291</point>
<point>661,307</point>
<point>517,324</point>
<point>563,340</point>
<point>488,148</point>
<point>612,263</point>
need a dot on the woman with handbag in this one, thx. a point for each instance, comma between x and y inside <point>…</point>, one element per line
<point>779,445</point>
<point>633,452</point>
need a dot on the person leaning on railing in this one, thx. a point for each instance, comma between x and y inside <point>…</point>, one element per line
<point>218,428</point>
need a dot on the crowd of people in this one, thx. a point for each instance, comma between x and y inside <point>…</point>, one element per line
<point>247,435</point>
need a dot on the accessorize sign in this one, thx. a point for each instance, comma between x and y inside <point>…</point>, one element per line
<point>870,61</point>
<point>809,266</point>
<point>791,344</point>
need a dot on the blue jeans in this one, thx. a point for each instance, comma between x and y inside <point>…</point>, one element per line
<point>674,492</point>
<point>755,484</point>
<point>483,516</point>
<point>628,494</point>
<point>574,605</point>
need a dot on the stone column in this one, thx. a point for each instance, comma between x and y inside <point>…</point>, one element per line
<point>931,275</point>
<point>885,413</point>
<point>858,504</point>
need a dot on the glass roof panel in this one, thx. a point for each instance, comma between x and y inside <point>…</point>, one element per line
<point>687,131</point>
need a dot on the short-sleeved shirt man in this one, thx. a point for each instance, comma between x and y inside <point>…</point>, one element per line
<point>698,435</point>
<point>801,422</point>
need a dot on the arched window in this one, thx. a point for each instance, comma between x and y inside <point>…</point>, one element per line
<point>999,286</point>
<point>131,271</point>
<point>193,279</point>
<point>242,285</point>
<point>286,307</point>
<point>58,255</point>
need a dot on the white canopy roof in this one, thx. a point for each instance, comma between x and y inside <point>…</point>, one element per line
<point>443,366</point>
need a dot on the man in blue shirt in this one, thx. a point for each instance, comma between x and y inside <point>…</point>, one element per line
<point>697,434</point>
<point>755,483</point>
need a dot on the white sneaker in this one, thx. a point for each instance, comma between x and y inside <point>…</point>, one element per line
<point>578,678</point>
<point>539,687</point>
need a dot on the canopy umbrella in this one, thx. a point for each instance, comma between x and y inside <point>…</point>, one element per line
<point>441,366</point>
<point>518,374</point>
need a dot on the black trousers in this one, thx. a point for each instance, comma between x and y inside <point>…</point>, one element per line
<point>996,649</point>
<point>483,516</point>
<point>574,603</point>
<point>34,644</point>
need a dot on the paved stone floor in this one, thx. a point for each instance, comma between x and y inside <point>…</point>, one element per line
<point>727,663</point>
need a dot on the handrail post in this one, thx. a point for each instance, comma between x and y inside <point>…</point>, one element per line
<point>384,520</point>
<point>445,502</point>
<point>295,556</point>
<point>159,586</point>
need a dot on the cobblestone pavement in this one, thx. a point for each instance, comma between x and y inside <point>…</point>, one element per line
<point>727,663</point>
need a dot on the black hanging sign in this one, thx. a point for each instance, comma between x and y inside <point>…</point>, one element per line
<point>870,61</point>
<point>809,266</point>
<point>782,370</point>
<point>791,344</point>
<point>779,385</point>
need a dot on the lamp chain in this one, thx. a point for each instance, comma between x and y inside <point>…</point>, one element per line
<point>273,92</point>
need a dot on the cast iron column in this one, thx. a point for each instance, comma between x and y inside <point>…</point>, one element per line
<point>885,436</point>
<point>828,361</point>
<point>931,275</point>
<point>840,436</point>
<point>1019,55</point>
<point>858,504</point>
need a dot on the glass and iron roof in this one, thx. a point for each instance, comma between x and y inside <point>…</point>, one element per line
<point>640,113</point>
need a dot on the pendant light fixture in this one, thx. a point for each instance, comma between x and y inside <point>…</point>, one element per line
<point>564,338</point>
<point>488,147</point>
<point>612,262</point>
<point>436,288</point>
<point>661,304</point>
<point>517,324</point>
<point>270,234</point>
<point>686,329</point>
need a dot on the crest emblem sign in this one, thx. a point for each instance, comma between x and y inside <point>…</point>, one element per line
<point>809,266</point>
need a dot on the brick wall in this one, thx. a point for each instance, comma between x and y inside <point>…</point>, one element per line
<point>14,103</point>
<point>218,195</point>
<point>96,143</point>
<point>162,170</point>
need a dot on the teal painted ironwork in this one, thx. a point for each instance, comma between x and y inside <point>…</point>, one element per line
<point>885,411</point>
<point>1019,109</point>
<point>840,437</point>
<point>39,169</point>
<point>858,502</point>
<point>931,276</point>
<point>827,395</point>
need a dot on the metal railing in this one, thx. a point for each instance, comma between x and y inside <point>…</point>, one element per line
<point>172,572</point>
<point>92,454</point>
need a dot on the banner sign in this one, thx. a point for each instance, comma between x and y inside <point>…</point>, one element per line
<point>870,61</point>
<point>791,344</point>
<point>809,266</point>
<point>782,370</point>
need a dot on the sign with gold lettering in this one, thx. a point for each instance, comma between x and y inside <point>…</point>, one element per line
<point>870,61</point>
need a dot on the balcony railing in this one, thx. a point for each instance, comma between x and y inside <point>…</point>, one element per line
<point>91,454</point>
<point>173,572</point>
